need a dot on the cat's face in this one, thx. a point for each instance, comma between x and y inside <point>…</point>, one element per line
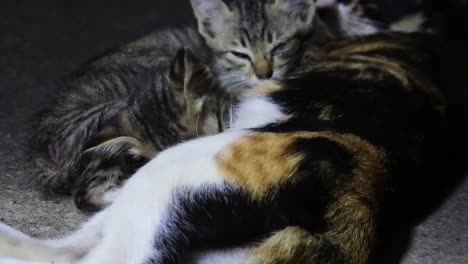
<point>254,40</point>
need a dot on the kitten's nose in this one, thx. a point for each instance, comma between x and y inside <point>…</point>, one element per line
<point>263,70</point>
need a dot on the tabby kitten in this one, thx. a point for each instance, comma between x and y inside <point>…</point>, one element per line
<point>306,170</point>
<point>118,117</point>
<point>254,40</point>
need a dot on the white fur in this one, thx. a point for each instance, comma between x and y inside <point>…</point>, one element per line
<point>352,24</point>
<point>224,256</point>
<point>19,261</point>
<point>409,23</point>
<point>15,244</point>
<point>255,112</point>
<point>110,195</point>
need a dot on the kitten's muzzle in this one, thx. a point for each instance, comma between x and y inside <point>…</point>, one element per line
<point>263,70</point>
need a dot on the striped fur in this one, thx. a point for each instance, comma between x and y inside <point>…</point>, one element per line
<point>253,40</point>
<point>118,117</point>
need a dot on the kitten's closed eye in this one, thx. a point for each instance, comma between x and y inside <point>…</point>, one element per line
<point>241,55</point>
<point>284,46</point>
<point>279,47</point>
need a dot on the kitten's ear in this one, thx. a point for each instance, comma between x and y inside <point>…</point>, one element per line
<point>190,77</point>
<point>302,12</point>
<point>213,17</point>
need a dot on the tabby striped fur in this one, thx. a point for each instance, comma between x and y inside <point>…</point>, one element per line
<point>117,118</point>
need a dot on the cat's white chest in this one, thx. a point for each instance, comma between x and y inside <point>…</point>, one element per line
<point>256,112</point>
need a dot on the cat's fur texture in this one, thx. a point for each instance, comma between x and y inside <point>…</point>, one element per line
<point>118,117</point>
<point>254,40</point>
<point>246,41</point>
<point>305,170</point>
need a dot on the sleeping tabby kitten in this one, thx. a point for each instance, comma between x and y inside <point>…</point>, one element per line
<point>118,117</point>
<point>306,170</point>
<point>246,41</point>
<point>253,40</point>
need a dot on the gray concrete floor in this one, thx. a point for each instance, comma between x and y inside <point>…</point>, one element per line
<point>41,42</point>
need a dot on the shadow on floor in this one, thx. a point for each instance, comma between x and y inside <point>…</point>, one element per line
<point>445,172</point>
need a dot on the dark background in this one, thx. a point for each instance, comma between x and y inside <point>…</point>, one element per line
<point>43,41</point>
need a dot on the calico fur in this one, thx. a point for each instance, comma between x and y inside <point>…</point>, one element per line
<point>307,184</point>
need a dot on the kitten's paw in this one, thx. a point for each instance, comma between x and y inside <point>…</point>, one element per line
<point>111,195</point>
<point>96,198</point>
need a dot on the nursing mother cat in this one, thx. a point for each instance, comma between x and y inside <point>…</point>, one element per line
<point>305,172</point>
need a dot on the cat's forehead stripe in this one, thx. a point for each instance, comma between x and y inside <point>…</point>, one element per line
<point>253,19</point>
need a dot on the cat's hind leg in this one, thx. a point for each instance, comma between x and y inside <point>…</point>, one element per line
<point>17,245</point>
<point>349,241</point>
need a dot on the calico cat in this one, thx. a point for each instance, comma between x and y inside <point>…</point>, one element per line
<point>244,41</point>
<point>306,170</point>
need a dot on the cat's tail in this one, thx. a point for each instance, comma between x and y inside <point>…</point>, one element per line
<point>59,140</point>
<point>16,246</point>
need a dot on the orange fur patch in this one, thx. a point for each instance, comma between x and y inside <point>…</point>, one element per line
<point>290,245</point>
<point>261,161</point>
